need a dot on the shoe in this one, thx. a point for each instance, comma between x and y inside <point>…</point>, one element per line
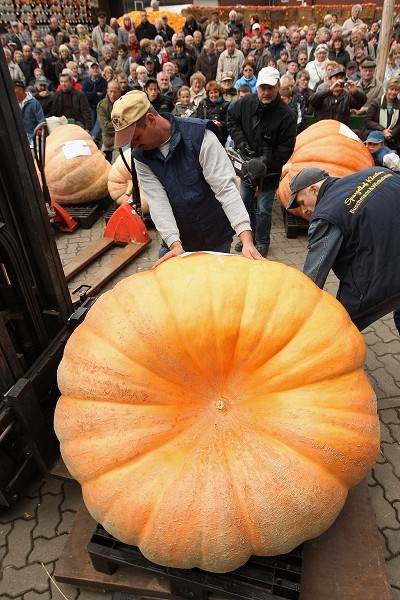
<point>239,247</point>
<point>263,250</point>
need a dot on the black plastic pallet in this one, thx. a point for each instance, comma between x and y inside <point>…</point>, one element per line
<point>87,214</point>
<point>261,578</point>
<point>110,211</point>
<point>293,224</point>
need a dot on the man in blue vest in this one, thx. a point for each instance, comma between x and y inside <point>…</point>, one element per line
<point>355,231</point>
<point>186,176</point>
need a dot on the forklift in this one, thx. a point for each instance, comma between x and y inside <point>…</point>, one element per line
<point>37,311</point>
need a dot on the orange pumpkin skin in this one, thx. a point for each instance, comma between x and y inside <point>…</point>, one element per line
<point>210,415</point>
<point>78,180</point>
<point>120,183</point>
<point>321,145</point>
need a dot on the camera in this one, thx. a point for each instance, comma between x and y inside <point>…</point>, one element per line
<point>343,84</point>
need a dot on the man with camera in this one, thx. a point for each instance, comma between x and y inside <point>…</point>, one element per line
<point>263,129</point>
<point>336,100</point>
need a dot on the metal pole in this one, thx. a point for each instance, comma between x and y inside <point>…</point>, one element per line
<point>384,38</point>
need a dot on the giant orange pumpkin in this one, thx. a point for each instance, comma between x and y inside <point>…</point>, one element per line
<point>77,180</point>
<point>327,144</point>
<point>214,408</point>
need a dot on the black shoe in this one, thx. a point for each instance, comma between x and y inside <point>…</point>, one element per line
<point>263,250</point>
<point>239,247</point>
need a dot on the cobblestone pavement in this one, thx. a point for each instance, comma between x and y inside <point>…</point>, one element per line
<point>34,530</point>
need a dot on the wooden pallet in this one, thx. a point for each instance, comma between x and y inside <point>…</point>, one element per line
<point>345,563</point>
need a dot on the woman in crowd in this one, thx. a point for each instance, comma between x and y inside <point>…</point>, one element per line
<point>197,89</point>
<point>220,46</point>
<point>317,67</point>
<point>330,65</point>
<point>383,114</point>
<point>338,52</point>
<point>123,59</point>
<point>108,73</point>
<point>107,58</point>
<point>207,61</point>
<point>184,106</point>
<point>301,87</point>
<point>125,30</point>
<point>142,75</point>
<point>245,45</point>
<point>160,51</point>
<point>282,62</point>
<point>214,107</point>
<point>133,44</point>
<point>393,63</point>
<point>65,56</point>
<point>15,71</point>
<point>248,77</point>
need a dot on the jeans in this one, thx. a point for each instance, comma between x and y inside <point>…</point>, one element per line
<point>261,221</point>
<point>225,247</point>
<point>95,132</point>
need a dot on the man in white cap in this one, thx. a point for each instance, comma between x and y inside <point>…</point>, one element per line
<point>262,127</point>
<point>354,230</point>
<point>186,176</point>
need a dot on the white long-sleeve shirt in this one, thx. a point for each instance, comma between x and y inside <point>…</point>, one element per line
<point>219,174</point>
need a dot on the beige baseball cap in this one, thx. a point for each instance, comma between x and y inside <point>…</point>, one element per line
<point>126,111</point>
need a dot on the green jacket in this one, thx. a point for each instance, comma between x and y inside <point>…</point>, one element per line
<point>104,109</point>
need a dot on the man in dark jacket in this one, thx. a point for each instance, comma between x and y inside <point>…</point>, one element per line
<point>262,126</point>
<point>95,88</point>
<point>104,109</point>
<point>336,100</point>
<point>354,230</point>
<point>72,103</point>
<point>145,29</point>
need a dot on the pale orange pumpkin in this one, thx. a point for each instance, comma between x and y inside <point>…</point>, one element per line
<point>327,144</point>
<point>210,415</point>
<point>78,180</point>
<point>120,183</point>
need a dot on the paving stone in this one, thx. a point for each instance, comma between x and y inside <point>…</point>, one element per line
<point>382,348</point>
<point>73,496</point>
<point>385,382</point>
<point>49,516</point>
<point>393,567</point>
<point>17,582</point>
<point>372,362</point>
<point>389,416</point>
<point>47,550</point>
<point>383,473</point>
<point>24,508</point>
<point>393,538</point>
<point>371,338</point>
<point>66,522</point>
<point>392,453</point>
<point>392,366</point>
<point>71,592</point>
<point>5,529</point>
<point>37,596</point>
<point>395,593</point>
<point>19,543</point>
<point>51,485</point>
<point>386,514</point>
<point>385,434</point>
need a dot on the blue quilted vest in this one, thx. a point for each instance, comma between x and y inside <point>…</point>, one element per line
<point>201,220</point>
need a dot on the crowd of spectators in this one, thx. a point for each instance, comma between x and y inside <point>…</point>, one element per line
<point>327,71</point>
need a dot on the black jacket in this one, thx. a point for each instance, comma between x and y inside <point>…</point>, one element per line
<point>80,107</point>
<point>326,106</point>
<point>364,206</point>
<point>214,112</point>
<point>163,104</point>
<point>372,121</point>
<point>342,57</point>
<point>146,30</point>
<point>269,129</point>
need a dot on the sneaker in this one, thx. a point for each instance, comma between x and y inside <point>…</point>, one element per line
<point>239,247</point>
<point>263,250</point>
